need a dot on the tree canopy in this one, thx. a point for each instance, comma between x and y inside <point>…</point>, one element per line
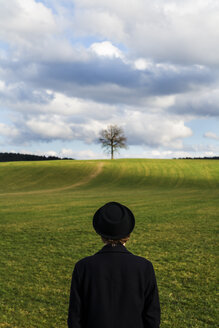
<point>112,139</point>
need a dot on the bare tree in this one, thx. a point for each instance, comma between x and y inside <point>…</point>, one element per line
<point>113,138</point>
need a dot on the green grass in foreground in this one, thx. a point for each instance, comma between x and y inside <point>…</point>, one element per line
<point>44,232</point>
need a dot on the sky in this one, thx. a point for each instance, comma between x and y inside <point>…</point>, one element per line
<point>70,68</point>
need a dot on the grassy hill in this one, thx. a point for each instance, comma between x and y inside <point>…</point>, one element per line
<point>46,226</point>
<point>135,173</point>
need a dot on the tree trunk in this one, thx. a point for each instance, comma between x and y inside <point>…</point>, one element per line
<point>111,151</point>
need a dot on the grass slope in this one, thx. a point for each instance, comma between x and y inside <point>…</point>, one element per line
<point>46,226</point>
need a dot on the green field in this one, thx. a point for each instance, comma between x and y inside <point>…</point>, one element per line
<point>46,211</point>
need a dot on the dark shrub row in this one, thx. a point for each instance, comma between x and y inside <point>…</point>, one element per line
<point>11,157</point>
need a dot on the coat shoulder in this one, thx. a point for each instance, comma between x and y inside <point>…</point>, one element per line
<point>83,260</point>
<point>130,258</point>
<point>141,260</point>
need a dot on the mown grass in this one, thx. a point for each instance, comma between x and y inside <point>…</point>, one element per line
<point>175,203</point>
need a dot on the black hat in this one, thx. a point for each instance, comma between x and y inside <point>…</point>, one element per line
<point>113,221</point>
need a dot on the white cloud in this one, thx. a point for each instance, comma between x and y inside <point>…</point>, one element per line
<point>51,153</point>
<point>2,86</point>
<point>34,32</point>
<point>201,101</point>
<point>97,22</point>
<point>8,131</point>
<point>83,154</point>
<point>106,48</point>
<point>211,135</point>
<point>161,102</point>
<point>177,31</point>
<point>25,21</point>
<point>66,119</point>
<point>141,64</point>
<point>156,130</point>
<point>47,127</point>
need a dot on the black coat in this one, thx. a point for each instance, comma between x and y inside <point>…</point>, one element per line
<point>114,289</point>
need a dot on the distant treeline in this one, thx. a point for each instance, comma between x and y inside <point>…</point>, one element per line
<point>11,157</point>
<point>215,157</point>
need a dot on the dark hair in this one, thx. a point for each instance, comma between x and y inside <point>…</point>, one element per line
<point>115,242</point>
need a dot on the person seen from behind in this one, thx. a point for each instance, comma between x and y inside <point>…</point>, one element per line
<point>114,288</point>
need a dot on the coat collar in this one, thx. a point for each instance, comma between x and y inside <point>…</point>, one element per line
<point>113,249</point>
